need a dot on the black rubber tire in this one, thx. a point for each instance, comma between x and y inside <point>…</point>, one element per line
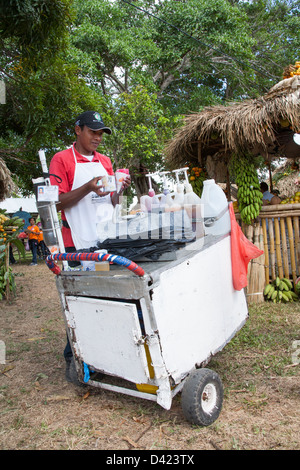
<point>202,397</point>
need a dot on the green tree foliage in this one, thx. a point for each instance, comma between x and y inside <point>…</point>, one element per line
<point>60,57</point>
<point>140,128</point>
<point>34,22</point>
<point>44,92</point>
<point>184,51</point>
<point>275,28</point>
<point>192,53</point>
<point>202,45</point>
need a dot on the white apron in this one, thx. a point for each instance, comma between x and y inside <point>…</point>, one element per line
<point>84,216</point>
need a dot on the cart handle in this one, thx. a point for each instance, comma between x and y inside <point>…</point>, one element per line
<point>120,260</point>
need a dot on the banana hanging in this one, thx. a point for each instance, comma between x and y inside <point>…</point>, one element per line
<point>249,195</point>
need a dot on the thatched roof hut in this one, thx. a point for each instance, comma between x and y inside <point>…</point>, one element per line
<point>263,126</point>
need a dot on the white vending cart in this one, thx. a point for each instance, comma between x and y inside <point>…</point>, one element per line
<point>150,332</point>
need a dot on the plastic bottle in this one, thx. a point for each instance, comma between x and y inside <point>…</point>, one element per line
<point>179,195</point>
<point>116,217</point>
<point>194,209</point>
<point>190,197</point>
<point>145,203</point>
<point>215,209</point>
<point>154,199</point>
<point>167,202</point>
<point>165,199</point>
<point>155,204</point>
<point>175,203</point>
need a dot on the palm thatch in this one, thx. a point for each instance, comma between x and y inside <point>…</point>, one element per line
<point>7,186</point>
<point>263,126</point>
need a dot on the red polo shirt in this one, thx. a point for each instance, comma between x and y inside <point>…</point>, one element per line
<point>63,166</point>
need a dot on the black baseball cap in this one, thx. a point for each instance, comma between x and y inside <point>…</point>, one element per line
<point>92,120</point>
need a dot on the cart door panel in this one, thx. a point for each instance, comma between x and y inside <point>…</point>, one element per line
<point>197,310</point>
<point>108,336</point>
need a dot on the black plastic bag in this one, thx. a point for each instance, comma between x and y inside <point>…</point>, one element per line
<point>136,249</point>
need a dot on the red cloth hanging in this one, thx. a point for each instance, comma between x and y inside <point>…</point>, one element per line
<point>242,252</point>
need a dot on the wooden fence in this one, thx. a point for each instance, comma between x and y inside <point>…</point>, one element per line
<point>276,231</point>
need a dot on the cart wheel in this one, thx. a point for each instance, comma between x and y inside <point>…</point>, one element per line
<point>202,397</point>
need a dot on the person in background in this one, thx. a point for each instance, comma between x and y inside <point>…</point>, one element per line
<point>33,233</point>
<point>83,202</point>
<point>276,192</point>
<point>11,255</point>
<point>42,250</point>
<point>268,198</point>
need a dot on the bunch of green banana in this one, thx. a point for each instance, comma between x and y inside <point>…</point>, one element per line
<point>297,288</point>
<point>280,290</point>
<point>9,223</point>
<point>249,195</point>
<point>14,221</point>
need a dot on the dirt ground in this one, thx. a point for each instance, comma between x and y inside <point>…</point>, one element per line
<point>39,410</point>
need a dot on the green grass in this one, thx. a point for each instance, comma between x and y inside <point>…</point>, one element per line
<point>262,347</point>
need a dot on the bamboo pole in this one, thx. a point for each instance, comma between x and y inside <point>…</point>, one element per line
<point>278,248</point>
<point>281,241</point>
<point>278,214</point>
<point>272,248</point>
<point>266,250</point>
<point>285,254</point>
<point>279,208</point>
<point>248,231</point>
<point>254,278</point>
<point>262,261</point>
<point>257,278</point>
<point>297,242</point>
<point>255,275</point>
<point>292,250</point>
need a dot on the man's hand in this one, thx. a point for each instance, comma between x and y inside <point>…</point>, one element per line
<point>115,198</point>
<point>125,184</point>
<point>73,197</point>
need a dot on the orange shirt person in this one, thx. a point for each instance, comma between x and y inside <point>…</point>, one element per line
<point>33,234</point>
<point>42,248</point>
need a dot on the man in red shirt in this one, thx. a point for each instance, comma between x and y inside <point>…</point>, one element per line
<point>83,203</point>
